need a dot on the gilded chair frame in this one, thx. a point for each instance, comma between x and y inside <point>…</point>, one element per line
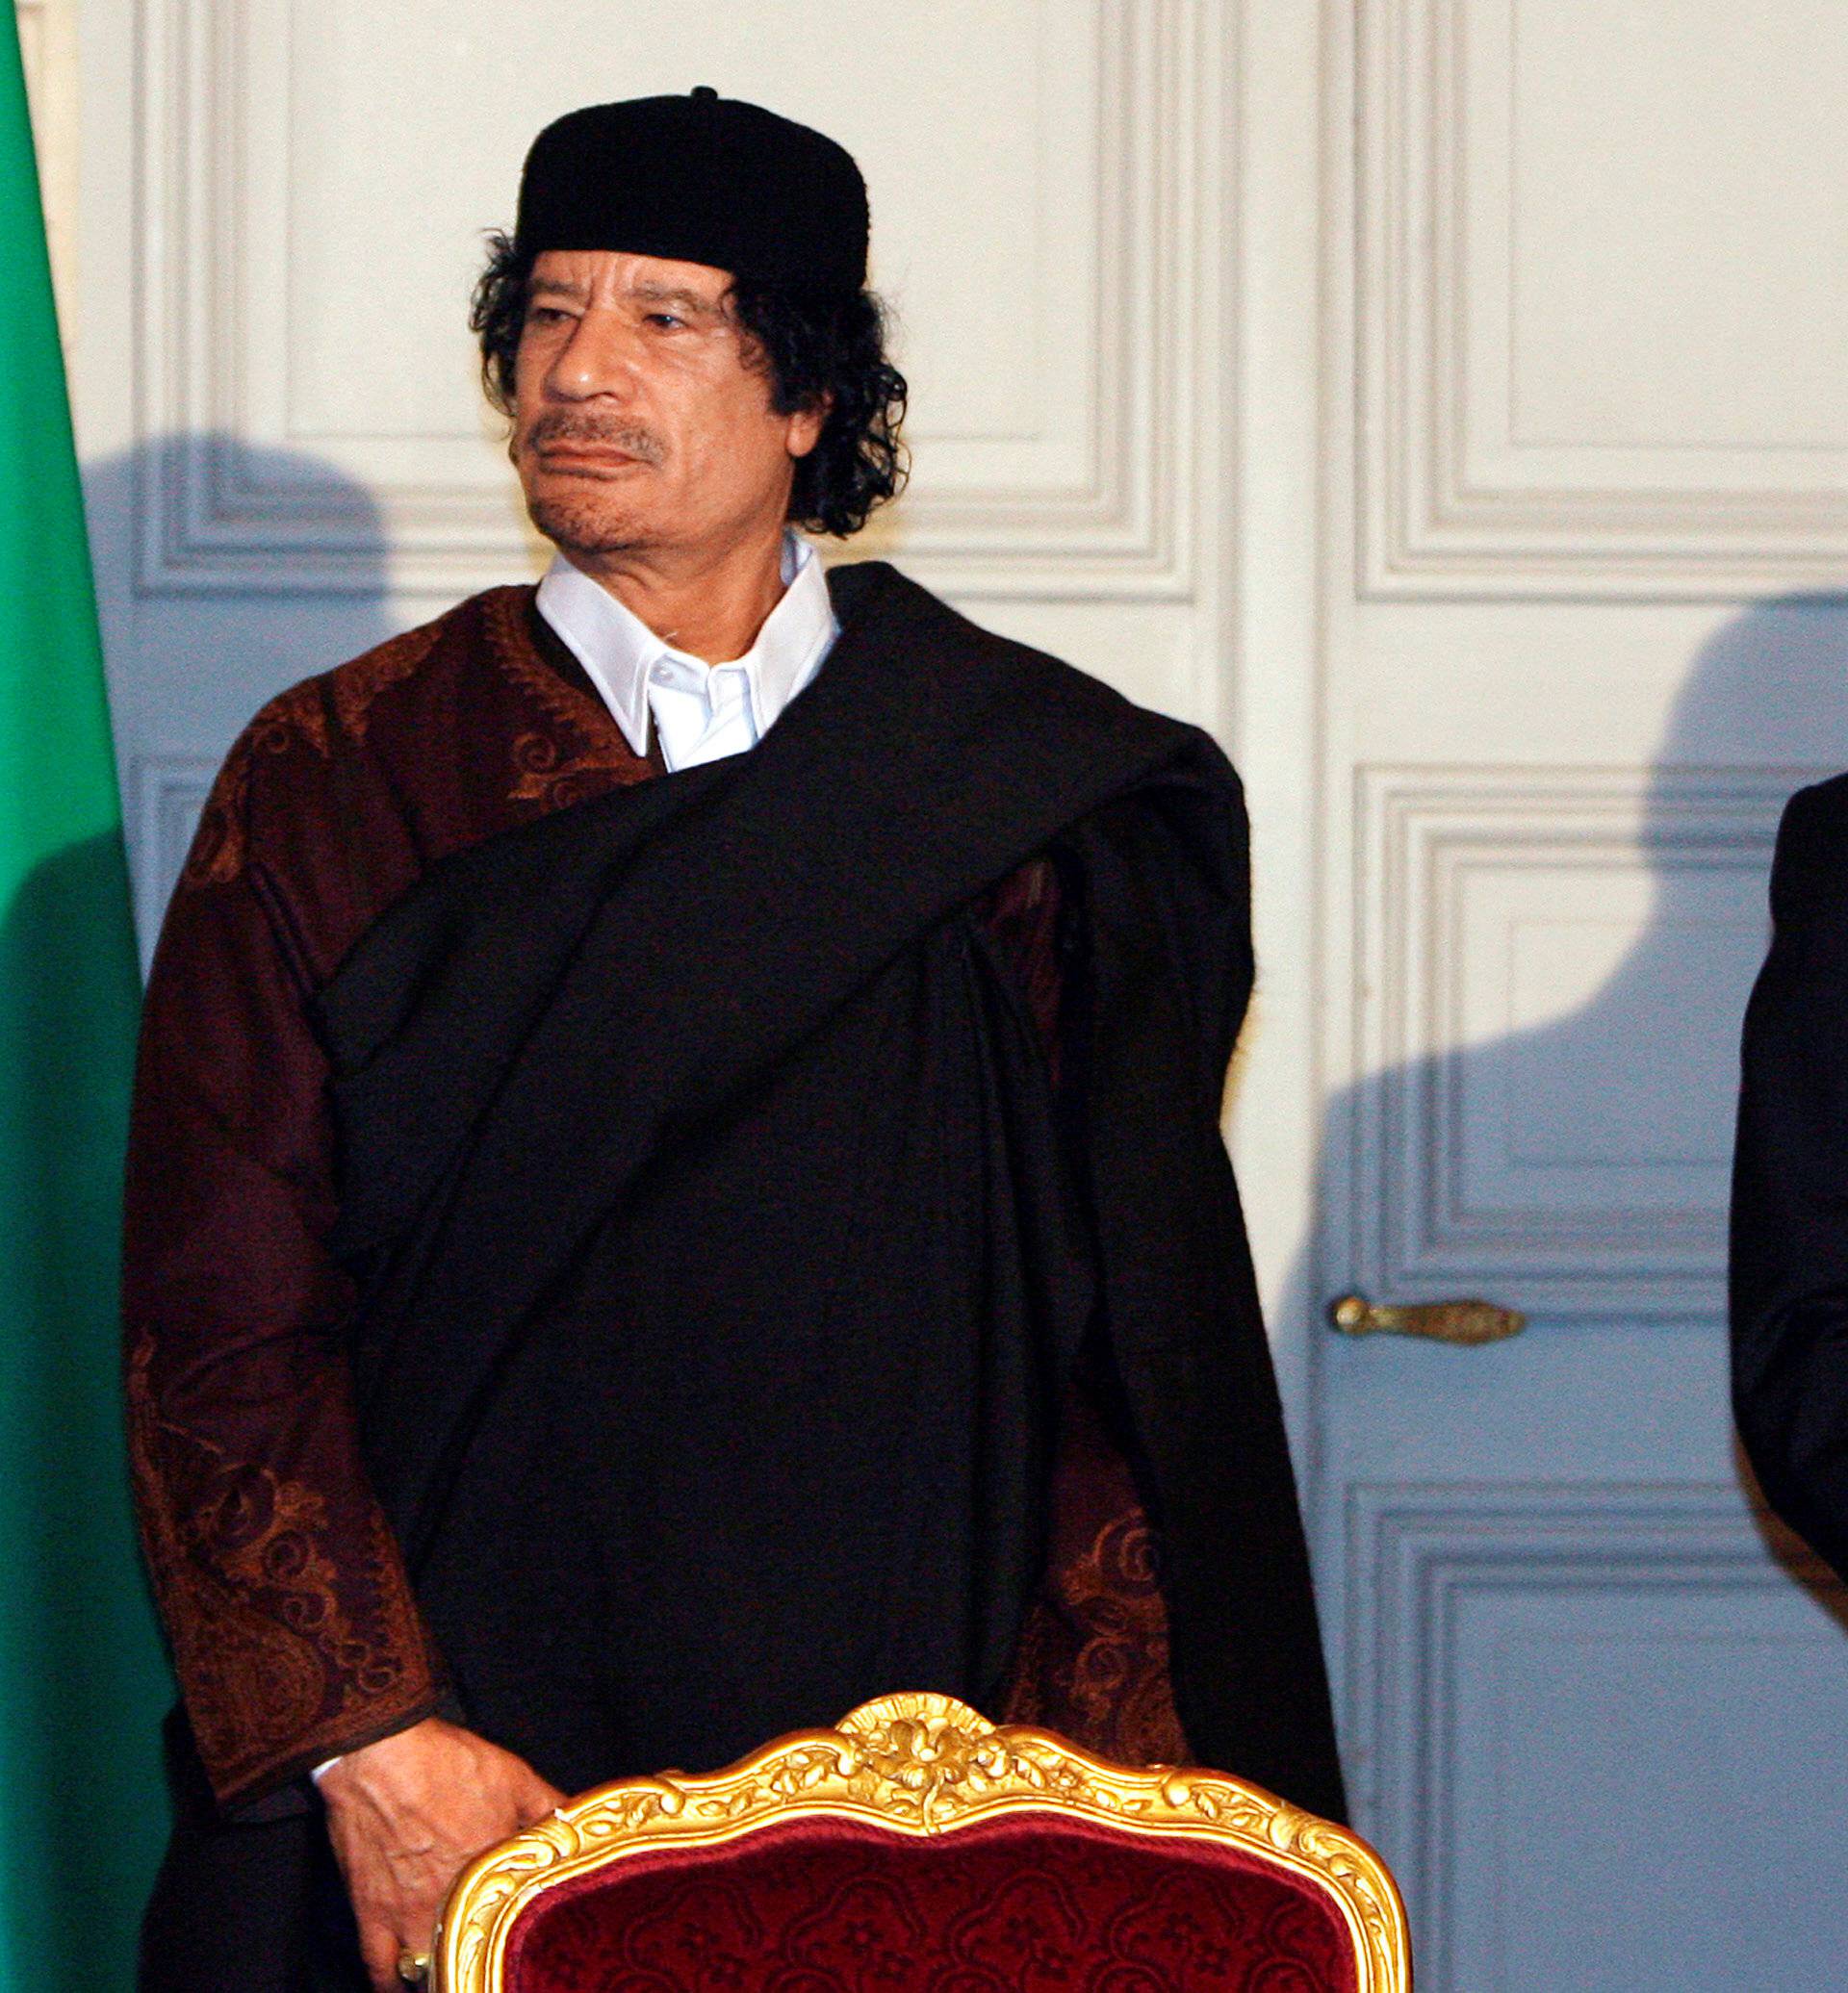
<point>922,1765</point>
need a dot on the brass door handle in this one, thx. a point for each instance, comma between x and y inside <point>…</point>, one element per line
<point>1464,1323</point>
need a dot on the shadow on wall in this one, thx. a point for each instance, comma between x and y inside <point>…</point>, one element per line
<point>1559,1141</point>
<point>188,666</point>
<point>84,1813</point>
<point>1588,1151</point>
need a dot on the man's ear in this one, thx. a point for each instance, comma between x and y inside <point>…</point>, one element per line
<point>806,425</point>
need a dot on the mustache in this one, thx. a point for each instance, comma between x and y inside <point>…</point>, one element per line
<point>562,425</point>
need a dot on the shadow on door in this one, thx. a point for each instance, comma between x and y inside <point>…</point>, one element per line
<point>1589,1702</point>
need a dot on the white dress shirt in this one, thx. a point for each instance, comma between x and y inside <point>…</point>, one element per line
<point>701,711</point>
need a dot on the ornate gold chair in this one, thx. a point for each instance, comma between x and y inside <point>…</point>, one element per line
<point>918,1849</point>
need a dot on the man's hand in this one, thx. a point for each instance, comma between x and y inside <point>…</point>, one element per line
<point>406,1814</point>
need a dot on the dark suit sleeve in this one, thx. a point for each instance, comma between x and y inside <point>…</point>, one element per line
<point>1790,1235</point>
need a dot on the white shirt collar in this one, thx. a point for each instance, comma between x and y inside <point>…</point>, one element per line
<point>619,650</point>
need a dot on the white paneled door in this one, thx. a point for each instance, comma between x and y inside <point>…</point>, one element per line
<point>1583,410</point>
<point>1442,400</point>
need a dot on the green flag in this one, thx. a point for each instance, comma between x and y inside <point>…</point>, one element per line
<point>81,1678</point>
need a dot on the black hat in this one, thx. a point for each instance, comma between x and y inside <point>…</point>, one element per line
<point>698,179</point>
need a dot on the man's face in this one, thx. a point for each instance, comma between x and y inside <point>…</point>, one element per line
<point>642,413</point>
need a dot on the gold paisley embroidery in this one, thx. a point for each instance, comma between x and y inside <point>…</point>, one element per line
<point>505,617</point>
<point>218,852</point>
<point>1120,1677</point>
<point>547,778</point>
<point>270,1659</point>
<point>542,772</point>
<point>296,714</point>
<point>299,715</point>
<point>222,844</point>
<point>1094,1660</point>
<point>356,685</point>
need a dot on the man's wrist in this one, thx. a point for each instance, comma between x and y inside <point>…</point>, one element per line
<point>449,1709</point>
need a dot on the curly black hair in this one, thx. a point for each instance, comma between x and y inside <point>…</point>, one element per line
<point>817,349</point>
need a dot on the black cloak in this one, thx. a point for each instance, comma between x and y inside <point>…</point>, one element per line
<point>724,1245</point>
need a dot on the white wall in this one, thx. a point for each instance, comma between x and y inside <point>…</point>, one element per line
<point>282,215</point>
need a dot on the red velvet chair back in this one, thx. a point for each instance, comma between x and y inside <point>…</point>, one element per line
<point>918,1849</point>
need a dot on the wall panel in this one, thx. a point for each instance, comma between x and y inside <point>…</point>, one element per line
<point>1538,1720</point>
<point>1047,269</point>
<point>1552,965</point>
<point>1601,282</point>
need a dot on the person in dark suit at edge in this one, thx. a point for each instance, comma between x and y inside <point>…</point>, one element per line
<point>1790,1221</point>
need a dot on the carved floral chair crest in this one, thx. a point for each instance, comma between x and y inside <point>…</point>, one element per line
<point>919,1847</point>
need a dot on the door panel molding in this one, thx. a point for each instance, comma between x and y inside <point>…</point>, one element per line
<point>1474,482</point>
<point>1515,928</point>
<point>1434,1571</point>
<point>165,796</point>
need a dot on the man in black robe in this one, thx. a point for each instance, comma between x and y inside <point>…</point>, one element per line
<point>677,1181</point>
